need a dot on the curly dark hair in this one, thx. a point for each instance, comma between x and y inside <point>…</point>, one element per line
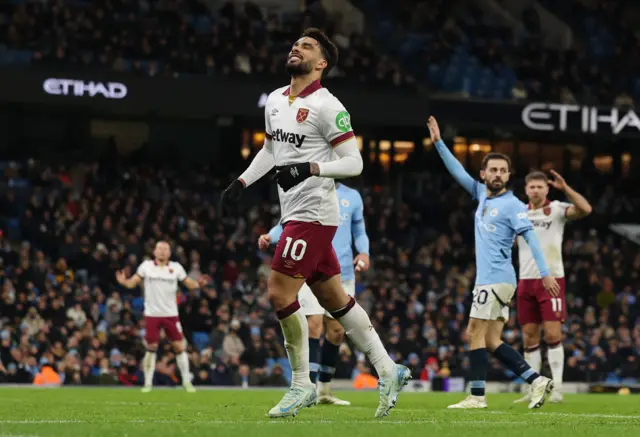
<point>328,48</point>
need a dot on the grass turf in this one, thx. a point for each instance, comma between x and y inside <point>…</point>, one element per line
<point>87,412</point>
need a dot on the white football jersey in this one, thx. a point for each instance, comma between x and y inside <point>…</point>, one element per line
<point>306,130</point>
<point>161,287</point>
<point>548,223</point>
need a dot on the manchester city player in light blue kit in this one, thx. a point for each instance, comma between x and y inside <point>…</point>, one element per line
<point>351,232</point>
<point>499,218</point>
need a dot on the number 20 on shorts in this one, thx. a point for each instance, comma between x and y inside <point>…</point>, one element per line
<point>298,248</point>
<point>480,297</point>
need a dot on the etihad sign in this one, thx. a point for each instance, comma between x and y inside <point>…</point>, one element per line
<point>552,117</point>
<point>81,88</point>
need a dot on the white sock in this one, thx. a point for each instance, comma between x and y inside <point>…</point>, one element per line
<point>357,326</point>
<point>324,388</point>
<point>556,362</point>
<point>183,365</point>
<point>534,359</point>
<point>296,342</point>
<point>149,367</point>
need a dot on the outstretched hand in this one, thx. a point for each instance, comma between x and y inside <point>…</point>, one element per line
<point>558,182</point>
<point>434,129</point>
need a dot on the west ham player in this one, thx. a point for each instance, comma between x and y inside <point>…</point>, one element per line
<point>161,277</point>
<point>351,231</point>
<point>536,307</point>
<point>500,216</point>
<point>307,128</point>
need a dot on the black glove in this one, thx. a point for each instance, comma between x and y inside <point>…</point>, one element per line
<point>288,176</point>
<point>229,197</point>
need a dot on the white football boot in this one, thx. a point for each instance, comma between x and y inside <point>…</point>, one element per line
<point>540,389</point>
<point>326,397</point>
<point>471,402</point>
<point>389,388</point>
<point>293,401</point>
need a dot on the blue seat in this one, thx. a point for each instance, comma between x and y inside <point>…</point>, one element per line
<point>612,378</point>
<point>200,340</point>
<point>137,304</point>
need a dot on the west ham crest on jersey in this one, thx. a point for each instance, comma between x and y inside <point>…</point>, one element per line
<point>302,114</point>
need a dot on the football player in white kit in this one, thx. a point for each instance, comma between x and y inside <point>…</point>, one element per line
<point>310,141</point>
<point>537,308</point>
<point>351,232</point>
<point>160,277</point>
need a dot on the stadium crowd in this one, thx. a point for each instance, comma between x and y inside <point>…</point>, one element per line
<point>180,38</point>
<point>452,46</point>
<point>468,51</point>
<point>66,230</point>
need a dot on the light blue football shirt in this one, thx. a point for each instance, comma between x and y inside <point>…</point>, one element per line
<point>498,220</point>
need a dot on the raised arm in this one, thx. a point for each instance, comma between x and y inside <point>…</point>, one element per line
<point>131,282</point>
<point>453,165</point>
<point>580,206</point>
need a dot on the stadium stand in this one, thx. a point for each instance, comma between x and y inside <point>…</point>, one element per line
<point>454,47</point>
<point>176,39</point>
<point>67,229</point>
<point>471,49</point>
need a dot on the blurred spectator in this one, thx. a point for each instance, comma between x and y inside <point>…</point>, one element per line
<point>417,291</point>
<point>153,39</point>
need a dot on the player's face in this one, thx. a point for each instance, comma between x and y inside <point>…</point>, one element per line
<point>496,175</point>
<point>304,57</point>
<point>162,252</point>
<point>537,191</point>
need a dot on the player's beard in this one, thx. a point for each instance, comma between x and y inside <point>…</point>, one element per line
<point>299,69</point>
<point>496,186</point>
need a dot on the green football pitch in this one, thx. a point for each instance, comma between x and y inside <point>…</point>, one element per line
<point>86,412</point>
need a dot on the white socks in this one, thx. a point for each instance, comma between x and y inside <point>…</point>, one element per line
<point>556,363</point>
<point>183,365</point>
<point>357,326</point>
<point>555,355</point>
<point>534,359</point>
<point>296,342</point>
<point>149,368</point>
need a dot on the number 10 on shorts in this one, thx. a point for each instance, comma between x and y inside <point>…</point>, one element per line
<point>298,248</point>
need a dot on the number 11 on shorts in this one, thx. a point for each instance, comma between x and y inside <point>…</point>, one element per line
<point>556,304</point>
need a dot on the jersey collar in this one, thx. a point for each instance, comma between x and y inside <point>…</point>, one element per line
<point>499,195</point>
<point>309,89</point>
<point>546,203</point>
